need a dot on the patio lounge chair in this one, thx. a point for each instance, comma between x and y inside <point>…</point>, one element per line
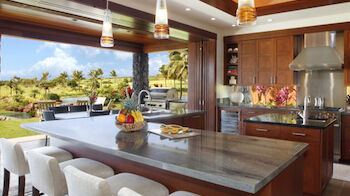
<point>77,108</point>
<point>100,100</point>
<point>59,109</point>
<point>44,105</point>
<point>100,113</point>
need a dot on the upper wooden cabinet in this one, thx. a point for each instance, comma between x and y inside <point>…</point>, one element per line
<point>266,61</point>
<point>347,57</point>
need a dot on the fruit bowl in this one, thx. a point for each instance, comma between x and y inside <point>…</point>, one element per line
<point>131,126</point>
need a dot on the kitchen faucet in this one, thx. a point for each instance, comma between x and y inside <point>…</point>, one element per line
<point>305,114</point>
<point>139,98</point>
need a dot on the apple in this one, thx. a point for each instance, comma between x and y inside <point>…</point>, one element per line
<point>130,119</point>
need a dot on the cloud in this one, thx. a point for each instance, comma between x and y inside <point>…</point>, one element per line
<point>46,45</point>
<point>123,56</point>
<point>156,61</point>
<point>90,52</point>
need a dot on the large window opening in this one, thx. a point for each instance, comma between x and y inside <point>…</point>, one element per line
<point>34,70</point>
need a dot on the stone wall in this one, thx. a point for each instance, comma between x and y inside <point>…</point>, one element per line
<point>140,72</point>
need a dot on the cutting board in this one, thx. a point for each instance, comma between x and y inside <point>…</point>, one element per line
<point>190,133</point>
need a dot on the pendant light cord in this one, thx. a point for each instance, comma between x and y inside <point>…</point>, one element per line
<point>107,5</point>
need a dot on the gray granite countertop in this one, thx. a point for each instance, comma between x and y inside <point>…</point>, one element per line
<point>289,120</point>
<point>239,162</point>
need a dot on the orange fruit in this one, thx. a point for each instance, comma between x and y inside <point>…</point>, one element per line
<point>121,118</point>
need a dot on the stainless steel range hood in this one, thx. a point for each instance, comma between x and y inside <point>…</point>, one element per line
<point>319,53</point>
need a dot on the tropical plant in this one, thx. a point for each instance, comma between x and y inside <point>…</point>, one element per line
<point>78,77</point>
<point>63,78</point>
<point>35,92</point>
<point>45,76</point>
<point>178,67</point>
<point>113,74</point>
<point>46,85</point>
<point>72,83</point>
<point>53,96</point>
<point>164,72</point>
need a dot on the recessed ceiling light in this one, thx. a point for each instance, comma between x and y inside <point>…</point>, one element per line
<point>213,19</point>
<point>269,20</point>
<point>188,9</point>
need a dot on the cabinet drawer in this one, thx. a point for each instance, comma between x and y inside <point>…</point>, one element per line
<point>345,151</point>
<point>346,121</point>
<point>262,130</point>
<point>300,134</point>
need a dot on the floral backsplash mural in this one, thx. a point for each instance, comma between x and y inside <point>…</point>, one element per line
<point>274,95</point>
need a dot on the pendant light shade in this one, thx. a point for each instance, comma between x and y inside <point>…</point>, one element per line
<point>246,13</point>
<point>161,24</point>
<point>107,30</point>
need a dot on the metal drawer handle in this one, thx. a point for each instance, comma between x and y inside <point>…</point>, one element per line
<point>262,130</point>
<point>251,112</point>
<point>336,125</point>
<point>299,134</point>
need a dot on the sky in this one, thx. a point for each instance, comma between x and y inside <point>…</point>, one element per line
<point>27,58</point>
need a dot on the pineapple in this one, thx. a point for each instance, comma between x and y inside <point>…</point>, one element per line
<point>130,103</point>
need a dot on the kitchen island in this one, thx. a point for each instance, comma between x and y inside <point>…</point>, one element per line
<point>318,168</point>
<point>209,164</point>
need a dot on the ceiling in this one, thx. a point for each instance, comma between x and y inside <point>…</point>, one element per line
<point>262,3</point>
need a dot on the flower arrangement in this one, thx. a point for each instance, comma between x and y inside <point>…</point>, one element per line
<point>284,96</point>
<point>262,91</point>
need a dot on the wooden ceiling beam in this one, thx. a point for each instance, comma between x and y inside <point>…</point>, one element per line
<point>144,16</point>
<point>230,6</point>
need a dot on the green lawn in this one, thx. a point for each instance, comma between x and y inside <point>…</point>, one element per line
<point>12,129</point>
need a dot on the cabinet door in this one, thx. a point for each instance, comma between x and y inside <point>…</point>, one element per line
<point>247,62</point>
<point>347,57</point>
<point>266,61</point>
<point>194,122</point>
<point>345,151</point>
<point>284,56</point>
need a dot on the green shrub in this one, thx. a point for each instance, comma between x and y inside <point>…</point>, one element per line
<point>53,96</point>
<point>72,83</point>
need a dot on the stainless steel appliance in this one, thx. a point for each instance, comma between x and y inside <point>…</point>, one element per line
<point>161,98</point>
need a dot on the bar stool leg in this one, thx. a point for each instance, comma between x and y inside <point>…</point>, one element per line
<point>35,192</point>
<point>5,189</point>
<point>21,185</point>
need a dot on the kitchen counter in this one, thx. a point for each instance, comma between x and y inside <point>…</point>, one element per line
<point>165,115</point>
<point>275,108</point>
<point>238,162</point>
<point>288,120</point>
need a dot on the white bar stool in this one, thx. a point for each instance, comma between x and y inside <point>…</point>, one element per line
<point>81,183</point>
<point>183,193</point>
<point>47,175</point>
<point>14,161</point>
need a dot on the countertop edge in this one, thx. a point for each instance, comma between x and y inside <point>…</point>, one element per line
<point>288,125</point>
<point>223,181</point>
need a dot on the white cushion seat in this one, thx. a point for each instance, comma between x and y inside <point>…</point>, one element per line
<point>89,166</point>
<point>183,193</point>
<point>139,184</point>
<point>47,175</point>
<point>81,183</point>
<point>59,154</point>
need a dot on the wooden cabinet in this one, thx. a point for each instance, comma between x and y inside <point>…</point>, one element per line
<point>266,61</point>
<point>247,62</point>
<point>345,149</point>
<point>284,56</point>
<point>347,57</point>
<point>318,164</point>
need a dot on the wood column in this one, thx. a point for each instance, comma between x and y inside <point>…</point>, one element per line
<point>140,72</point>
<point>202,80</point>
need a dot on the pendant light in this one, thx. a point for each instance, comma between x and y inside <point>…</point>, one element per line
<point>161,24</point>
<point>246,13</point>
<point>107,30</point>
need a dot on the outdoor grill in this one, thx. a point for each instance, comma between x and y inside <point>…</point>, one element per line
<point>161,97</point>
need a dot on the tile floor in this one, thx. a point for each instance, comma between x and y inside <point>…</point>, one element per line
<point>338,186</point>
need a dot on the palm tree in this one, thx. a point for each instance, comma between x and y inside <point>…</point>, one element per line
<point>164,72</point>
<point>178,66</point>
<point>78,77</point>
<point>95,76</point>
<point>45,76</point>
<point>113,74</point>
<point>63,78</point>
<point>34,93</point>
